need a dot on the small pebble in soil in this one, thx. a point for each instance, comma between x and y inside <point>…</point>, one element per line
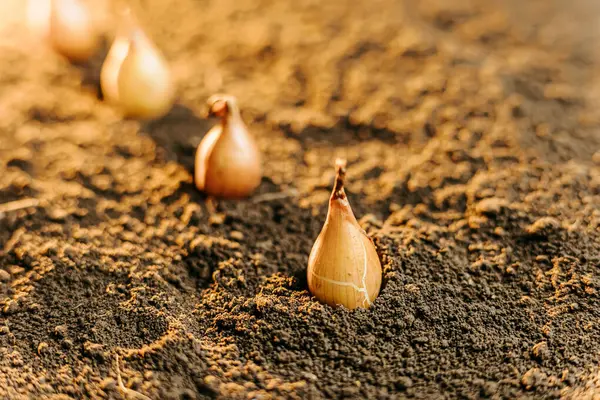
<point>403,383</point>
<point>491,206</point>
<point>543,226</point>
<point>4,276</point>
<point>533,378</point>
<point>42,348</point>
<point>60,331</point>
<point>236,235</point>
<point>540,351</point>
<point>108,384</point>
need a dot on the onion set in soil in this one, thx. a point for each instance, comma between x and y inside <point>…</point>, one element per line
<point>67,26</point>
<point>343,267</point>
<point>136,77</point>
<point>228,161</point>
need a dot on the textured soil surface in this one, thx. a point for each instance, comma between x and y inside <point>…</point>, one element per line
<point>471,130</point>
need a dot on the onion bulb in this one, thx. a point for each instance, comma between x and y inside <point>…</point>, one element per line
<point>38,18</point>
<point>71,30</point>
<point>109,74</point>
<point>228,161</point>
<point>343,266</point>
<point>137,77</point>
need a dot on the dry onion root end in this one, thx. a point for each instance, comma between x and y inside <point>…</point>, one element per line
<point>343,267</point>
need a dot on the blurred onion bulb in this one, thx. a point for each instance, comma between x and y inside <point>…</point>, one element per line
<point>343,267</point>
<point>228,161</point>
<point>67,25</point>
<point>136,77</point>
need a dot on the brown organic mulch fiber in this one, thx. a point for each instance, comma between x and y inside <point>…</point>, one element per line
<point>471,130</point>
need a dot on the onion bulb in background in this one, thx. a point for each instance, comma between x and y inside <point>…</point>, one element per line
<point>109,74</point>
<point>343,266</point>
<point>38,18</point>
<point>228,161</point>
<point>67,25</point>
<point>136,76</point>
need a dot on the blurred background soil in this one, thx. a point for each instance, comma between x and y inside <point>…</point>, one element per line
<point>471,132</point>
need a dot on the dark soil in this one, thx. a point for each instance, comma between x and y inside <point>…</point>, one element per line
<point>471,132</point>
